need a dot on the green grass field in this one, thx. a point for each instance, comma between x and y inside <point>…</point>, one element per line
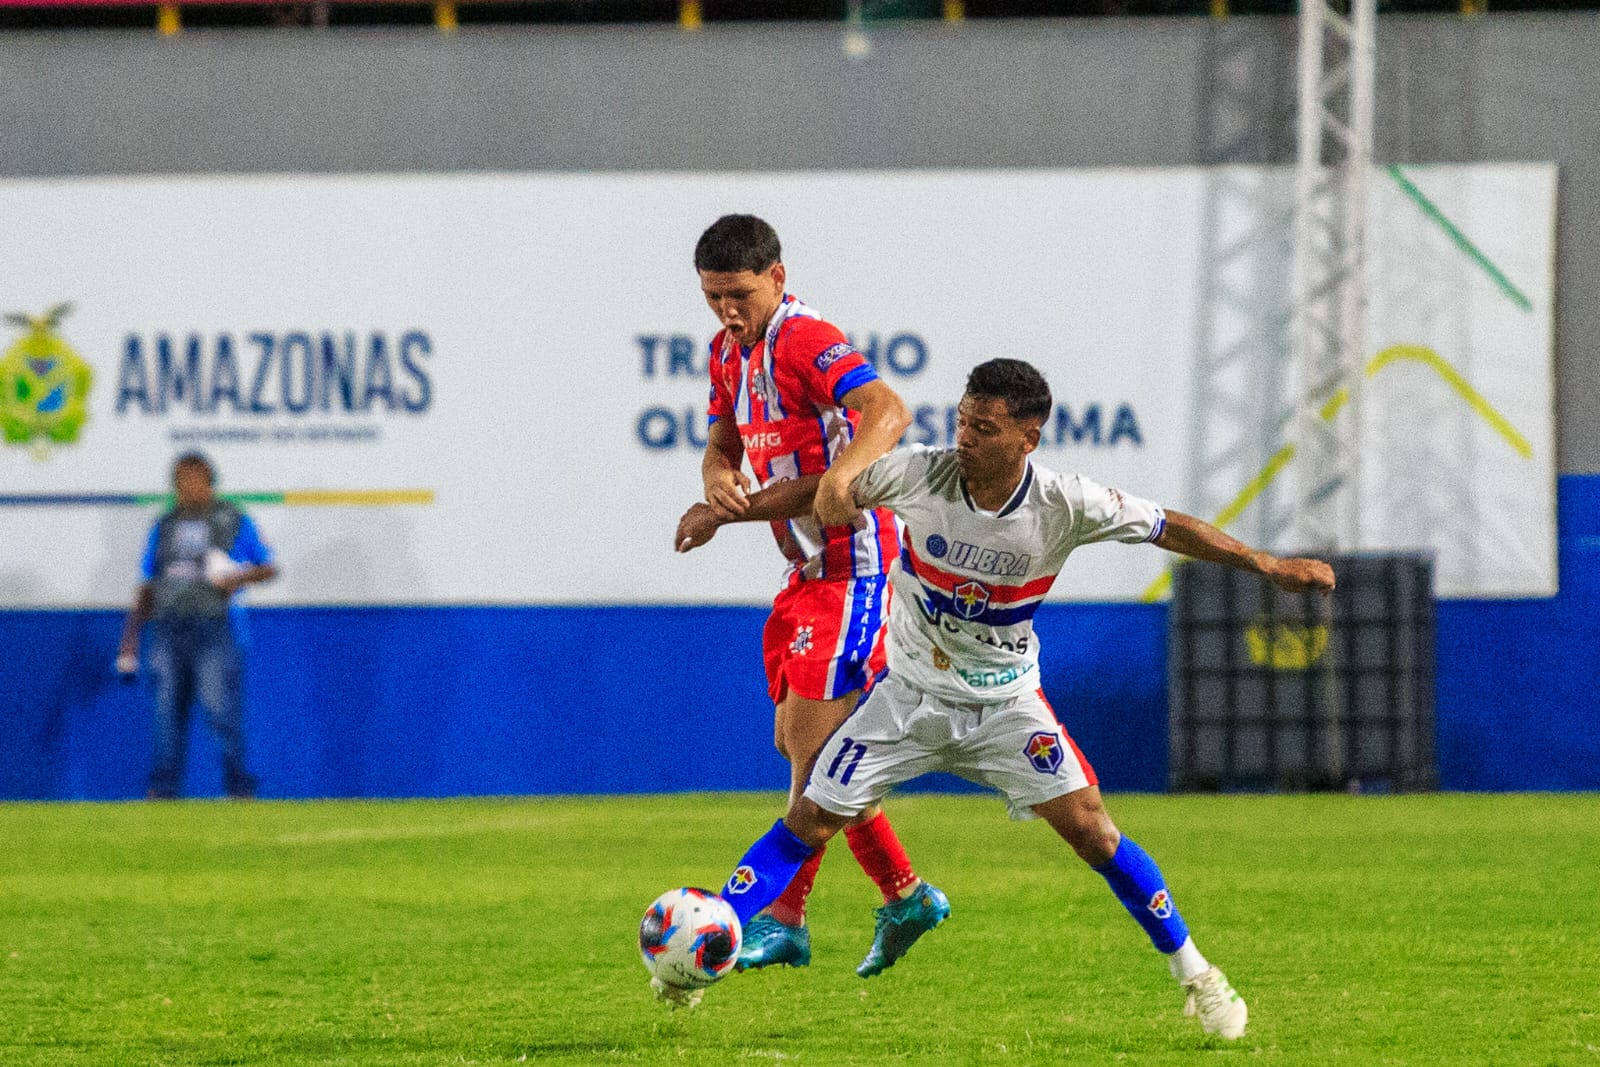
<point>1403,930</point>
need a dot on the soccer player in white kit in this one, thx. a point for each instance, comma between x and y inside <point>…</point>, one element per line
<point>987,530</point>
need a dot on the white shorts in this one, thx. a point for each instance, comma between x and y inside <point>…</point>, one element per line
<point>899,732</point>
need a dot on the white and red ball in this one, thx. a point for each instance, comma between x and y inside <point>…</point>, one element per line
<point>689,938</point>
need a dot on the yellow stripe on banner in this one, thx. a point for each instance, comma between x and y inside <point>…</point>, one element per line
<point>1393,354</point>
<point>356,498</point>
<point>1464,390</point>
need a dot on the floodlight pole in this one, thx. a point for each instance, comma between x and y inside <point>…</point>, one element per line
<point>1328,284</point>
<point>1329,310</point>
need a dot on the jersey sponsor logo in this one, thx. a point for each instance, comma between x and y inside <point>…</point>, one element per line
<point>970,599</point>
<point>801,643</point>
<point>990,679</point>
<point>832,354</point>
<point>1160,904</point>
<point>1044,752</point>
<point>937,546</point>
<point>989,560</point>
<point>741,881</point>
<point>767,439</point>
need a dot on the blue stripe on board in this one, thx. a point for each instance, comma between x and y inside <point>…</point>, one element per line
<point>72,499</point>
<point>410,701</point>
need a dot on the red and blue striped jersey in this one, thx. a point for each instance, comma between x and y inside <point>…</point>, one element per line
<point>969,580</point>
<point>786,395</point>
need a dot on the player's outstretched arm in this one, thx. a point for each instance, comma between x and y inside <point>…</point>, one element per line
<point>1198,539</point>
<point>780,500</point>
<point>884,417</point>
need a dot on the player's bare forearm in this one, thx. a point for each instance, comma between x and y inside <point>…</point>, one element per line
<point>138,615</point>
<point>780,500</point>
<point>260,572</point>
<point>884,417</point>
<point>1198,539</point>
<point>726,486</point>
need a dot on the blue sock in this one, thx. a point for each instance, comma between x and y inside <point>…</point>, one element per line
<point>1137,882</point>
<point>765,871</point>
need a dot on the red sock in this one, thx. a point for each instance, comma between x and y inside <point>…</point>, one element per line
<point>878,850</point>
<point>790,907</point>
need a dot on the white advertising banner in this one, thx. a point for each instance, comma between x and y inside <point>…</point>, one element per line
<point>490,389</point>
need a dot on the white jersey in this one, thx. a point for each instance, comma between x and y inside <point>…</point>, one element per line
<point>968,581</point>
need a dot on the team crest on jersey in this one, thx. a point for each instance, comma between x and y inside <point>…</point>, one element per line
<point>741,880</point>
<point>1160,904</point>
<point>761,384</point>
<point>938,546</point>
<point>1044,752</point>
<point>971,598</point>
<point>801,643</point>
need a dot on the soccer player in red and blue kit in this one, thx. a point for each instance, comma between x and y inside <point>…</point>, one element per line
<point>790,395</point>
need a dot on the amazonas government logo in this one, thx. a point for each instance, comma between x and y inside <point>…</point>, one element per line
<point>44,385</point>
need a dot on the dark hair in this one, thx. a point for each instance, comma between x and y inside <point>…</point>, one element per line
<point>196,459</point>
<point>737,243</point>
<point>1023,388</point>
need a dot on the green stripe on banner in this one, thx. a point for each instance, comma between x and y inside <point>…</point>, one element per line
<point>1460,239</point>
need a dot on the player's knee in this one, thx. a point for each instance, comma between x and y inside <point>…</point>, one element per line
<point>812,823</point>
<point>1082,821</point>
<point>1090,831</point>
<point>1095,842</point>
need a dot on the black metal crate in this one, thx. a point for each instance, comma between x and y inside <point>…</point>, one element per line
<point>1270,690</point>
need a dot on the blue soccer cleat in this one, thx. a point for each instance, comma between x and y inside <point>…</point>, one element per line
<point>768,942</point>
<point>899,926</point>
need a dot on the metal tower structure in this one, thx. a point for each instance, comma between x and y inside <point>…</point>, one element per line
<point>1247,97</point>
<point>1328,276</point>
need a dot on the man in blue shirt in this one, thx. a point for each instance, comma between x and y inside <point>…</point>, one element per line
<point>200,554</point>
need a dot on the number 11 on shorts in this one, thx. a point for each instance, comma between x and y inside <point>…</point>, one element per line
<point>849,750</point>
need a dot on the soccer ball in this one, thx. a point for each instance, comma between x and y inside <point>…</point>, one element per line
<point>689,938</point>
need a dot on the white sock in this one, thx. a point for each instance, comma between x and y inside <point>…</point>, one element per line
<point>1186,963</point>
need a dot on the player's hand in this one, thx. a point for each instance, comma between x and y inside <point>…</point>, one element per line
<point>728,493</point>
<point>698,525</point>
<point>835,505</point>
<point>127,664</point>
<point>1301,575</point>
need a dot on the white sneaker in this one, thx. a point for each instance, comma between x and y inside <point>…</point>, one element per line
<point>1221,1009</point>
<point>675,996</point>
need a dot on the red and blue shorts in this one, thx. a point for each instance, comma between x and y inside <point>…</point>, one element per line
<point>824,638</point>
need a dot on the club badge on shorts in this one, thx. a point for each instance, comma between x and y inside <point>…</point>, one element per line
<point>1044,752</point>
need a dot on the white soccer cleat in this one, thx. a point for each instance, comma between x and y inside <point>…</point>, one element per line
<point>675,996</point>
<point>1221,1009</point>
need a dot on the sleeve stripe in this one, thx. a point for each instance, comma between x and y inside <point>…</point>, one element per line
<point>1160,525</point>
<point>858,377</point>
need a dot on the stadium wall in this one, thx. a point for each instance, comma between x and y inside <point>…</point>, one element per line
<point>394,702</point>
<point>443,700</point>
